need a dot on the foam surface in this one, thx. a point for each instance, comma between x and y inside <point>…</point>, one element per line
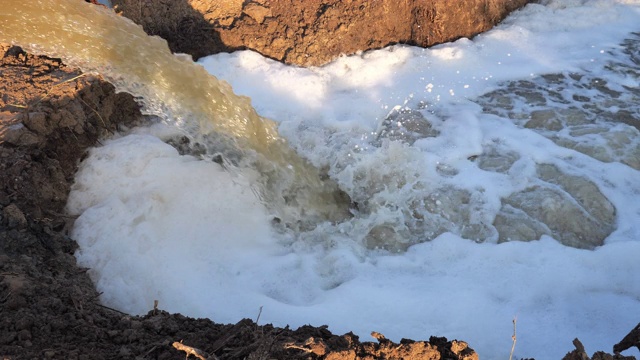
<point>430,143</point>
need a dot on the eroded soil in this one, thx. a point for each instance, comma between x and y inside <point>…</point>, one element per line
<point>311,33</point>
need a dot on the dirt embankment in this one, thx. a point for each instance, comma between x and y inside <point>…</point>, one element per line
<point>311,32</point>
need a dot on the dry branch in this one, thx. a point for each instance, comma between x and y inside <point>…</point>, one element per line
<point>297,347</point>
<point>513,345</point>
<point>193,351</point>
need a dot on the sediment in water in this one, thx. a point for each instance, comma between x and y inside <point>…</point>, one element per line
<point>180,92</point>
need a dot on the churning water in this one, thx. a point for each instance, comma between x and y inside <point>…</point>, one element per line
<point>486,179</point>
<point>175,89</point>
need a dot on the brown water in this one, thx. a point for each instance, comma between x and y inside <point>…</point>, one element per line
<point>176,89</point>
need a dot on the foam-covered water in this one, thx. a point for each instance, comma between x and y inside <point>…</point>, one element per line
<point>528,132</point>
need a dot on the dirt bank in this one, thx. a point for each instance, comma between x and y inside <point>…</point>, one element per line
<point>311,32</point>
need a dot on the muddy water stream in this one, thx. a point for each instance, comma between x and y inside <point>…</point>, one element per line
<point>178,91</point>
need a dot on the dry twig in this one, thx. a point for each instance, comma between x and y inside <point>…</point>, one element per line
<point>112,309</point>
<point>95,112</point>
<point>297,347</point>
<point>259,313</point>
<point>193,351</point>
<point>513,346</point>
<point>33,103</point>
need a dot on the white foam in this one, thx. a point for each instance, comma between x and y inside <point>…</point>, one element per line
<point>357,89</point>
<point>157,225</point>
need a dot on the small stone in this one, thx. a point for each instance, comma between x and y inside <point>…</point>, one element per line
<point>67,119</point>
<point>37,122</point>
<point>19,135</point>
<point>13,217</point>
<point>257,12</point>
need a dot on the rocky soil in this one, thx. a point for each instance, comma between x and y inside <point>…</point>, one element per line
<point>311,32</point>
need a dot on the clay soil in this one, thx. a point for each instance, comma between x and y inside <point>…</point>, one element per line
<point>49,308</point>
<point>311,33</point>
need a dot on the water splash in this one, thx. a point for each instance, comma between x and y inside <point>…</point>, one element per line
<point>174,88</point>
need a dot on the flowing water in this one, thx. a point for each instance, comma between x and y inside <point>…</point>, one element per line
<point>180,92</point>
<point>529,132</point>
